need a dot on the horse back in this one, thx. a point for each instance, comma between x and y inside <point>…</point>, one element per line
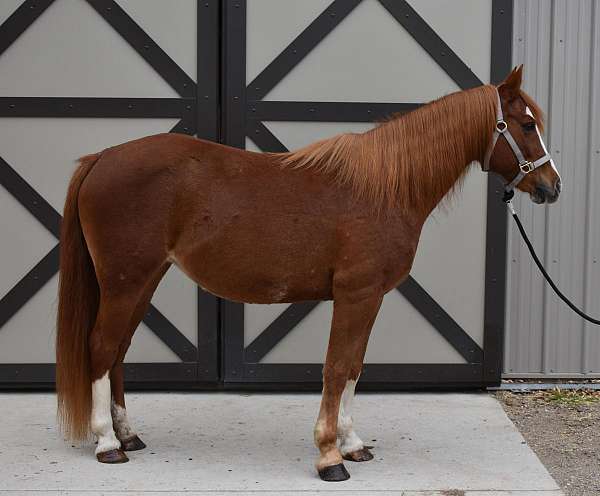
<point>236,222</point>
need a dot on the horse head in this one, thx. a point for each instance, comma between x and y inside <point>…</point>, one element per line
<point>521,158</point>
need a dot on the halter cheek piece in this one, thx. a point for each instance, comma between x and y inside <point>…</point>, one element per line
<point>525,166</point>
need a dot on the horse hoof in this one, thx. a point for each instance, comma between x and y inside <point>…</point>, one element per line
<point>132,444</point>
<point>361,455</point>
<point>334,473</point>
<point>112,456</point>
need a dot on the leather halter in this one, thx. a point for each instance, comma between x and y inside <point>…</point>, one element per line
<point>525,166</point>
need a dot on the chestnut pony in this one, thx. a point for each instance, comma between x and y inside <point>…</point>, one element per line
<point>337,220</point>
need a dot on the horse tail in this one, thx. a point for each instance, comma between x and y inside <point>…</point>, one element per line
<point>78,296</point>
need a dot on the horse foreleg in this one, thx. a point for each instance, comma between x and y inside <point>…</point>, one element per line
<point>351,446</point>
<point>350,321</point>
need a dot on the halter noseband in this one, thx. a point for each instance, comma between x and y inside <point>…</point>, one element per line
<point>525,166</point>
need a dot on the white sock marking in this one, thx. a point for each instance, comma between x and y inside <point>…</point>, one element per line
<point>348,439</point>
<point>102,424</point>
<point>121,422</point>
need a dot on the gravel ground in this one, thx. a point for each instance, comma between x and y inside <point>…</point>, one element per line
<point>563,428</point>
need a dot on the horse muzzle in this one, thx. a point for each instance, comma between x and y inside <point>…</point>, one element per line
<point>544,194</point>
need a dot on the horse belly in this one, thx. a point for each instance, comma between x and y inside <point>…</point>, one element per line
<point>256,233</point>
<point>268,273</point>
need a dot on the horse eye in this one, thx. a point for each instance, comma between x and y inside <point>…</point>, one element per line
<point>529,126</point>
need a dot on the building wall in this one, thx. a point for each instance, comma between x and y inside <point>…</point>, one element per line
<point>558,42</point>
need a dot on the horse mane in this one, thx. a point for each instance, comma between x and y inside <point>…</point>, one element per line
<point>411,160</point>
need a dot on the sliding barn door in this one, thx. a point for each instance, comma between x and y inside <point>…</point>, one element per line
<point>296,72</point>
<point>78,76</point>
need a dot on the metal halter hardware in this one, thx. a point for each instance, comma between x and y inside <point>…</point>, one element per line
<point>525,166</point>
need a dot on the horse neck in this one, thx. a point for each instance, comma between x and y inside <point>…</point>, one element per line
<point>432,147</point>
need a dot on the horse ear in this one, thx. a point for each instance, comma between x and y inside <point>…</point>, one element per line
<point>512,84</point>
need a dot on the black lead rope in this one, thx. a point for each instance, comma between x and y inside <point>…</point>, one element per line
<point>543,271</point>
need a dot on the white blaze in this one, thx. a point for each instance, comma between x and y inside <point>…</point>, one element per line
<point>102,424</point>
<point>348,439</point>
<point>530,113</point>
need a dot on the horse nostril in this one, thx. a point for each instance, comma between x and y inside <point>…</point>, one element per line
<point>558,186</point>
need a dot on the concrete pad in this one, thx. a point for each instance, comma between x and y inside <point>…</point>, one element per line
<point>219,443</point>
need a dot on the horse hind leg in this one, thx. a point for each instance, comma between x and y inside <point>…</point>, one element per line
<point>128,437</point>
<point>112,324</point>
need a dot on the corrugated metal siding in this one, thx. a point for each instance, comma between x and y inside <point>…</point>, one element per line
<point>558,41</point>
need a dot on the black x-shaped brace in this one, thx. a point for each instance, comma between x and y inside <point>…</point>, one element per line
<point>26,14</point>
<point>183,108</point>
<point>259,110</point>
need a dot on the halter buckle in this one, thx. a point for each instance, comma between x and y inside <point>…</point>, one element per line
<point>501,126</point>
<point>526,167</point>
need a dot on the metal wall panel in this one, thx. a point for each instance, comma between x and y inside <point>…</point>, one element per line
<point>559,43</point>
